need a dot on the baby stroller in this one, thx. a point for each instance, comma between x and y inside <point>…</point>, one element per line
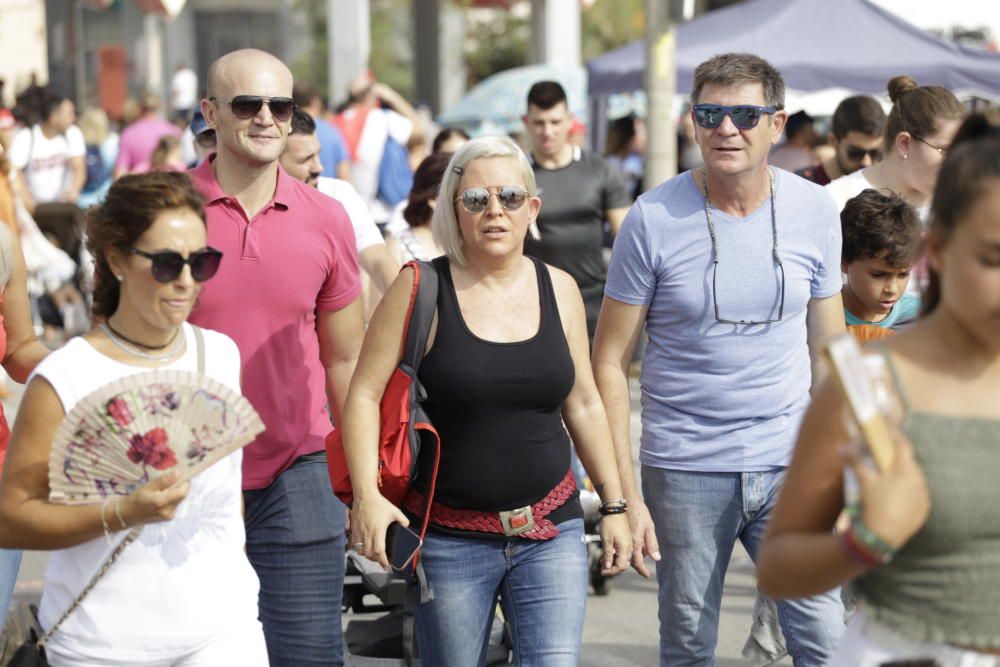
<point>380,632</point>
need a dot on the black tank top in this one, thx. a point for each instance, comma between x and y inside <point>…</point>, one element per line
<point>498,408</point>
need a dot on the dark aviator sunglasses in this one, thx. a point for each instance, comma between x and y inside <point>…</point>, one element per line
<point>168,265</point>
<point>248,106</point>
<point>744,116</point>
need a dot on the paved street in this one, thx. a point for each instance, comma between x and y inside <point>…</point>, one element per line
<point>621,628</point>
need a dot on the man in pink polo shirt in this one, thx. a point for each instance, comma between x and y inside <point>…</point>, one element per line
<point>287,293</point>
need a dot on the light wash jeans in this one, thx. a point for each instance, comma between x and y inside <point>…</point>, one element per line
<point>698,518</point>
<point>10,563</point>
<point>543,591</point>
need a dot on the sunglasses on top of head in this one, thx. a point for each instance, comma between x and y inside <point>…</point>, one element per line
<point>168,264</point>
<point>475,200</point>
<point>248,106</point>
<point>744,116</point>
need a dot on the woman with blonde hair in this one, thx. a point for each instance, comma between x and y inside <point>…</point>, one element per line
<point>507,365</point>
<point>102,150</point>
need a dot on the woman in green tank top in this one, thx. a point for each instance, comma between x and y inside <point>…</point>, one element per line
<point>924,544</point>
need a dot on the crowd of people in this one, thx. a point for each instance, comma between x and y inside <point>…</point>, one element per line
<point>257,237</point>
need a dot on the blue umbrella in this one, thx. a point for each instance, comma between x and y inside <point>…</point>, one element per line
<point>496,104</point>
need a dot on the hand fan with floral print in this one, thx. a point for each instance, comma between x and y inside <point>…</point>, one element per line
<point>139,427</point>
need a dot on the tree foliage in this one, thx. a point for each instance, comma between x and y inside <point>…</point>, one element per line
<point>495,40</point>
<point>608,24</point>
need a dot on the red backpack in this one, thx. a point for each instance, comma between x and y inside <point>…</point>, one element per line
<point>405,427</point>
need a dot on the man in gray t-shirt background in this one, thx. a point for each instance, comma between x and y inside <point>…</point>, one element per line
<point>579,192</point>
<point>734,271</point>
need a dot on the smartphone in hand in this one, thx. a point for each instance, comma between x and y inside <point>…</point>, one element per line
<point>401,545</point>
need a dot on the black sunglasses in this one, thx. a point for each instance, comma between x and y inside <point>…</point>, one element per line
<point>511,197</point>
<point>856,154</point>
<point>248,106</point>
<point>168,265</point>
<point>206,138</point>
<point>744,116</point>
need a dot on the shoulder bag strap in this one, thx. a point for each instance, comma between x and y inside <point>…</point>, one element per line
<point>199,340</point>
<point>423,305</point>
<point>129,539</point>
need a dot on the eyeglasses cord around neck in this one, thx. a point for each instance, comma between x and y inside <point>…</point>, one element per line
<point>715,242</point>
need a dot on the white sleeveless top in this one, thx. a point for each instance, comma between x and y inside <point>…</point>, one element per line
<point>182,582</point>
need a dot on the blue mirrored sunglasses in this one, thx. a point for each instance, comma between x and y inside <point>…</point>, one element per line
<point>744,116</point>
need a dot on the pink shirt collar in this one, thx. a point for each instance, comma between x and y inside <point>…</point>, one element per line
<point>206,183</point>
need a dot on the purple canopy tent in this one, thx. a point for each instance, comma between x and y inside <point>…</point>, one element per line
<point>815,44</point>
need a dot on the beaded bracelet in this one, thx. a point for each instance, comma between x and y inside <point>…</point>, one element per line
<point>861,550</point>
<point>617,506</point>
<point>875,544</point>
<point>856,553</point>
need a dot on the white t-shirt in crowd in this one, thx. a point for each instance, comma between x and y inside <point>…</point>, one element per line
<point>379,125</point>
<point>184,89</point>
<point>182,582</point>
<point>853,184</point>
<point>366,233</point>
<point>45,162</point>
<point>847,187</point>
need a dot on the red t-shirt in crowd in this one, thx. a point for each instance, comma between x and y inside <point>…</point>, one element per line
<point>815,173</point>
<point>294,259</point>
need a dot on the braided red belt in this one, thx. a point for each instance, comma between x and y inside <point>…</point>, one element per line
<point>490,522</point>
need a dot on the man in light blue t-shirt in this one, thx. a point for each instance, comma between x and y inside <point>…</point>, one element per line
<point>734,270</point>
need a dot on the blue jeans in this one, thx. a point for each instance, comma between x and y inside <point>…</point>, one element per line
<point>543,592</point>
<point>10,563</point>
<point>698,518</point>
<point>295,542</point>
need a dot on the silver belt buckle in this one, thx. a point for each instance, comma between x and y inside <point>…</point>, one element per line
<point>517,521</point>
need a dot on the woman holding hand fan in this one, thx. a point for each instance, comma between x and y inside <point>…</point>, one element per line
<point>107,478</point>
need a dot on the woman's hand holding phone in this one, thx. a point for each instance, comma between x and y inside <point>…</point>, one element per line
<point>370,518</point>
<point>401,545</point>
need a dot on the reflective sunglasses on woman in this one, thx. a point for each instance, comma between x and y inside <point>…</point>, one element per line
<point>511,197</point>
<point>744,116</point>
<point>167,265</point>
<point>248,106</point>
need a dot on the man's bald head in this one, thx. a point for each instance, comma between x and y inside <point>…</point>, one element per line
<point>228,70</point>
<point>248,73</point>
